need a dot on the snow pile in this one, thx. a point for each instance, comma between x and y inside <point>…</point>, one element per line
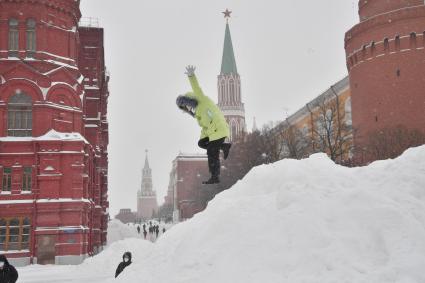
<point>302,221</point>
<point>98,269</point>
<point>54,135</point>
<point>119,231</point>
<point>307,221</point>
<point>107,262</point>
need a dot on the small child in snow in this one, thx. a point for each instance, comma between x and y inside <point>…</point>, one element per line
<point>126,261</point>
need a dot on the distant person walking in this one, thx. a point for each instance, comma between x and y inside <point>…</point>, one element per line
<point>126,261</point>
<point>8,273</point>
<point>157,230</point>
<point>163,230</point>
<point>138,229</point>
<point>144,234</point>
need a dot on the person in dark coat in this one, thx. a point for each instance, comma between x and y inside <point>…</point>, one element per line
<point>8,273</point>
<point>126,261</point>
<point>138,229</point>
<point>144,234</point>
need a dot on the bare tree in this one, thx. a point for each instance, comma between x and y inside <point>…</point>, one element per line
<point>295,143</point>
<point>331,134</point>
<point>392,142</point>
<point>270,144</point>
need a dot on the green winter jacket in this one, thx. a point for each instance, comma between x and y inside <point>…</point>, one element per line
<point>209,116</point>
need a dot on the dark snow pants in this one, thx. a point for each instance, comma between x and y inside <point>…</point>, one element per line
<point>213,152</point>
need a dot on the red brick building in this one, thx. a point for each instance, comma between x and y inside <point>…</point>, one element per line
<point>53,133</point>
<point>385,59</point>
<point>185,187</point>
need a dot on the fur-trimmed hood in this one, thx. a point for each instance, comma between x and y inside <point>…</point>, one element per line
<point>128,254</point>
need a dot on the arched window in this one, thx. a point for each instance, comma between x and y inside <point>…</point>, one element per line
<point>31,37</point>
<point>386,45</point>
<point>364,52</point>
<point>234,131</point>
<point>397,43</point>
<point>320,127</point>
<point>413,40</point>
<point>232,91</point>
<point>20,116</point>
<point>347,110</point>
<point>223,91</point>
<point>239,91</point>
<point>13,37</point>
<point>227,97</point>
<point>372,48</point>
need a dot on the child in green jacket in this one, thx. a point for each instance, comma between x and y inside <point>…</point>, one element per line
<point>214,126</point>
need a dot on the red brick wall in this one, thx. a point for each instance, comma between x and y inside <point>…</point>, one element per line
<point>188,193</point>
<point>386,79</point>
<point>369,8</point>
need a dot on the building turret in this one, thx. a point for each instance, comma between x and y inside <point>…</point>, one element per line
<point>229,88</point>
<point>371,8</point>
<point>385,62</point>
<point>147,204</point>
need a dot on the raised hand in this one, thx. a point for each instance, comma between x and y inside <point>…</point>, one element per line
<point>190,71</point>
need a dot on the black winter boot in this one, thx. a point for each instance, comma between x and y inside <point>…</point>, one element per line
<point>212,180</point>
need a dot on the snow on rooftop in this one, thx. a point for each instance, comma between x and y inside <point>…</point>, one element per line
<point>50,135</point>
<point>49,168</point>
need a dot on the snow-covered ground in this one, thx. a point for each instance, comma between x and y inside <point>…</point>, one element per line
<point>292,221</point>
<point>119,231</point>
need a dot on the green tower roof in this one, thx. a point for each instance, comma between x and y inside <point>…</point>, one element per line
<point>228,64</point>
<point>146,161</point>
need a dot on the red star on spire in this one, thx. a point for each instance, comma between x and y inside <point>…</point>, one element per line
<point>227,13</point>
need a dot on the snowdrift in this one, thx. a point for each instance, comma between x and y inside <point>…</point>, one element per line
<point>293,221</point>
<point>119,231</point>
<point>301,221</point>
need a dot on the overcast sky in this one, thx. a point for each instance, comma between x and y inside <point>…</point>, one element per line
<point>287,52</point>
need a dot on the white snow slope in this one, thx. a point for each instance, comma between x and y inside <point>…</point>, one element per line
<point>293,221</point>
<point>119,231</point>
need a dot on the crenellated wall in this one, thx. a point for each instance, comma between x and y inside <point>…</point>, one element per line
<point>385,60</point>
<point>370,8</point>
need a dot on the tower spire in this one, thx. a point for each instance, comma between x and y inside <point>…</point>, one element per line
<point>146,160</point>
<point>146,197</point>
<point>228,63</point>
<point>229,87</point>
